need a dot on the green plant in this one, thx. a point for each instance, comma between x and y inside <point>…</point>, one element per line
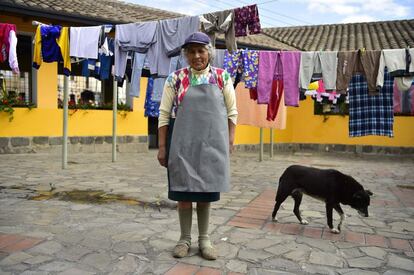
<point>7,107</point>
<point>123,109</point>
<point>8,101</point>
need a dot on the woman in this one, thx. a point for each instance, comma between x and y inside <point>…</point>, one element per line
<point>196,131</point>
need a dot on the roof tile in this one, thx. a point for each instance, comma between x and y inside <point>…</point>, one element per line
<point>372,35</point>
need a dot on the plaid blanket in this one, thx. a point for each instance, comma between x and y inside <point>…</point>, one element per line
<point>370,114</point>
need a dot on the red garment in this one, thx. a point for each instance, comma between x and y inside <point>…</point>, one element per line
<point>253,93</point>
<point>4,40</point>
<point>274,101</point>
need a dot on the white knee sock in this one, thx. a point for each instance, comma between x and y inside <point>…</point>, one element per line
<point>203,216</point>
<point>185,216</point>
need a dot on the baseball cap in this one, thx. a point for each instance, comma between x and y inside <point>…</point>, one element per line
<point>197,38</point>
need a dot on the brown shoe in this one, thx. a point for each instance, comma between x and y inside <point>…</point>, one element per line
<point>181,250</point>
<point>208,253</point>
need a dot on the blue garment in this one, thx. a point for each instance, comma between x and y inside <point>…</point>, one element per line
<point>50,48</point>
<point>137,66</point>
<point>89,68</point>
<point>159,83</point>
<point>370,114</point>
<point>106,61</point>
<point>85,69</point>
<point>152,108</point>
<point>101,68</point>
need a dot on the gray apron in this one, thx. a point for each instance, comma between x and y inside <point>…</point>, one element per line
<point>199,154</point>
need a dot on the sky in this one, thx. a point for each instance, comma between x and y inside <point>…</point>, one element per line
<point>284,13</point>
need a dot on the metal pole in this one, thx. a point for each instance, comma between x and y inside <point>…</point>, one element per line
<point>65,122</point>
<point>261,145</point>
<point>271,143</point>
<point>114,113</point>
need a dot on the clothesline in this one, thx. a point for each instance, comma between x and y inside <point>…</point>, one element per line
<point>285,72</point>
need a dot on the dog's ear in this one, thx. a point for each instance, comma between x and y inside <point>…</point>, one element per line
<point>357,195</point>
<point>369,192</point>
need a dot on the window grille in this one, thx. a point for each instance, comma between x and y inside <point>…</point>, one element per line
<point>17,85</point>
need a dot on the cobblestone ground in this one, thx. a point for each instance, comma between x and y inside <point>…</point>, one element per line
<point>45,231</point>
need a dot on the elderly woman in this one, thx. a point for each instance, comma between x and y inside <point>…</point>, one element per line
<point>196,131</point>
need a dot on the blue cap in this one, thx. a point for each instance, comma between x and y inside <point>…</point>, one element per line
<point>197,38</point>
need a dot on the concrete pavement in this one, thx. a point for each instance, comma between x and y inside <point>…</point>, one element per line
<point>99,217</point>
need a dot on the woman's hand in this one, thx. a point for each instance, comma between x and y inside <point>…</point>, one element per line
<point>162,140</point>
<point>232,129</point>
<point>162,156</point>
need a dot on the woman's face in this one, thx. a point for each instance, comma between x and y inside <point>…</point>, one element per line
<point>197,56</point>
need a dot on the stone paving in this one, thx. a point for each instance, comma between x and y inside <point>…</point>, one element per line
<point>45,234</point>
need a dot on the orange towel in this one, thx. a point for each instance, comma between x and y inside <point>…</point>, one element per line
<point>251,113</point>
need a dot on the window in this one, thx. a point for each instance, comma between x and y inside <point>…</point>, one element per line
<point>88,92</point>
<point>327,107</point>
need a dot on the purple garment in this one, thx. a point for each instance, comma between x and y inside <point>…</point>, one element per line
<point>267,72</point>
<point>246,17</point>
<point>50,48</point>
<point>233,62</point>
<point>291,64</point>
<point>250,67</point>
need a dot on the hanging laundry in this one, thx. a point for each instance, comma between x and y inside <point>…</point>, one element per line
<point>128,71</point>
<point>50,48</point>
<point>253,114</point>
<point>170,37</point>
<point>270,82</point>
<point>137,66</point>
<point>151,107</point>
<point>137,37</point>
<point>88,67</point>
<point>178,62</point>
<point>324,63</point>
<point>253,93</point>
<point>290,68</point>
<point>218,60</point>
<point>370,115</point>
<point>244,17</point>
<point>403,99</point>
<point>269,69</point>
<point>275,99</point>
<point>400,64</point>
<point>357,62</point>
<point>106,58</point>
<point>233,63</point>
<point>52,45</point>
<point>220,22</point>
<point>316,90</point>
<point>84,42</point>
<point>158,88</point>
<point>8,46</point>
<point>250,67</point>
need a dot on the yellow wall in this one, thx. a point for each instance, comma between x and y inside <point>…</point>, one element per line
<point>302,126</point>
<point>47,86</point>
<point>48,122</point>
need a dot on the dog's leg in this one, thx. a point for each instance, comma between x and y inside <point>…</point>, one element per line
<point>338,209</point>
<point>297,196</point>
<point>275,209</point>
<point>279,200</point>
<point>329,208</point>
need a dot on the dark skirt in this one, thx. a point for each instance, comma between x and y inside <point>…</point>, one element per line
<point>187,196</point>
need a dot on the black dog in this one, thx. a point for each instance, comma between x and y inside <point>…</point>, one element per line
<point>329,185</point>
